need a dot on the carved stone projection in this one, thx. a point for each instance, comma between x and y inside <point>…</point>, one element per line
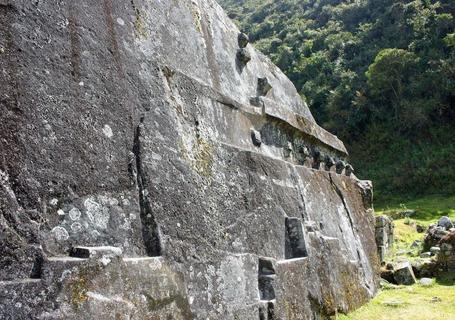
<point>146,172</point>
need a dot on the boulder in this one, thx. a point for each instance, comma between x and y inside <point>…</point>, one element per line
<point>424,268</point>
<point>426,282</point>
<point>403,274</point>
<point>446,257</point>
<point>435,250</point>
<point>445,222</point>
<point>434,234</point>
<point>425,254</point>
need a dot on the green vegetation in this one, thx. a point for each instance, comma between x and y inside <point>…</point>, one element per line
<point>379,74</point>
<point>413,302</point>
<point>427,209</point>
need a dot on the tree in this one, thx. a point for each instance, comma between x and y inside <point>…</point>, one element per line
<point>388,76</point>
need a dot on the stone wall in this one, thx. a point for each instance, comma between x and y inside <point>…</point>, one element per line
<point>154,165</point>
<point>384,235</point>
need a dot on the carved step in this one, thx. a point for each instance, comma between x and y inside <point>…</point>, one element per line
<point>141,259</point>
<point>56,268</point>
<point>293,260</point>
<point>154,263</point>
<point>93,252</point>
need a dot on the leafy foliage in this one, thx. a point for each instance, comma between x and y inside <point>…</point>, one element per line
<point>378,73</point>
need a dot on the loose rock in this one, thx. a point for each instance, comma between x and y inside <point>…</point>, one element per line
<point>426,282</point>
<point>403,274</point>
<point>445,222</point>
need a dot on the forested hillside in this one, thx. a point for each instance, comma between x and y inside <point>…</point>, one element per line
<point>378,73</point>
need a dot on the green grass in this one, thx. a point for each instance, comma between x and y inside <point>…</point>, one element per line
<point>412,302</point>
<point>428,209</point>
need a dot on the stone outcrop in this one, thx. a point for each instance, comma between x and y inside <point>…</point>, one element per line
<point>384,235</point>
<point>446,253</point>
<point>403,274</point>
<point>436,232</point>
<point>153,165</point>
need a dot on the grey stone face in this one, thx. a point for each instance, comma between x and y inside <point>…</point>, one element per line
<point>445,222</point>
<point>384,235</point>
<point>403,274</point>
<point>130,183</point>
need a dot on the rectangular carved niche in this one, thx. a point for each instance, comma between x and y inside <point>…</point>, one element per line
<point>267,311</point>
<point>266,279</point>
<point>295,246</point>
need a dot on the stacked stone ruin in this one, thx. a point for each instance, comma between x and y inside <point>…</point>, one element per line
<point>154,165</point>
<point>384,236</point>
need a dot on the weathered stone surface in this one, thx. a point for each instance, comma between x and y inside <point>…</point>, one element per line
<point>445,222</point>
<point>128,124</point>
<point>403,274</point>
<point>433,235</point>
<point>446,256</point>
<point>424,268</point>
<point>384,235</point>
<point>426,282</point>
<point>426,254</point>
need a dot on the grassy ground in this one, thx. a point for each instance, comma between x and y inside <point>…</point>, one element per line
<point>428,209</point>
<point>413,302</point>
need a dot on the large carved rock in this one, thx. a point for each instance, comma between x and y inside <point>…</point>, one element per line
<point>126,142</point>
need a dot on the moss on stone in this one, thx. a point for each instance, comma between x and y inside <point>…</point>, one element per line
<point>140,26</point>
<point>204,157</point>
<point>200,156</point>
<point>79,283</point>
<point>78,291</point>
<point>196,14</point>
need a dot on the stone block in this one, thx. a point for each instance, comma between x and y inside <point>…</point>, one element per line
<point>403,274</point>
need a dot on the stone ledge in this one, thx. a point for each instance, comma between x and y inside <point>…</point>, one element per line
<point>269,107</point>
<point>90,252</point>
<point>27,281</point>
